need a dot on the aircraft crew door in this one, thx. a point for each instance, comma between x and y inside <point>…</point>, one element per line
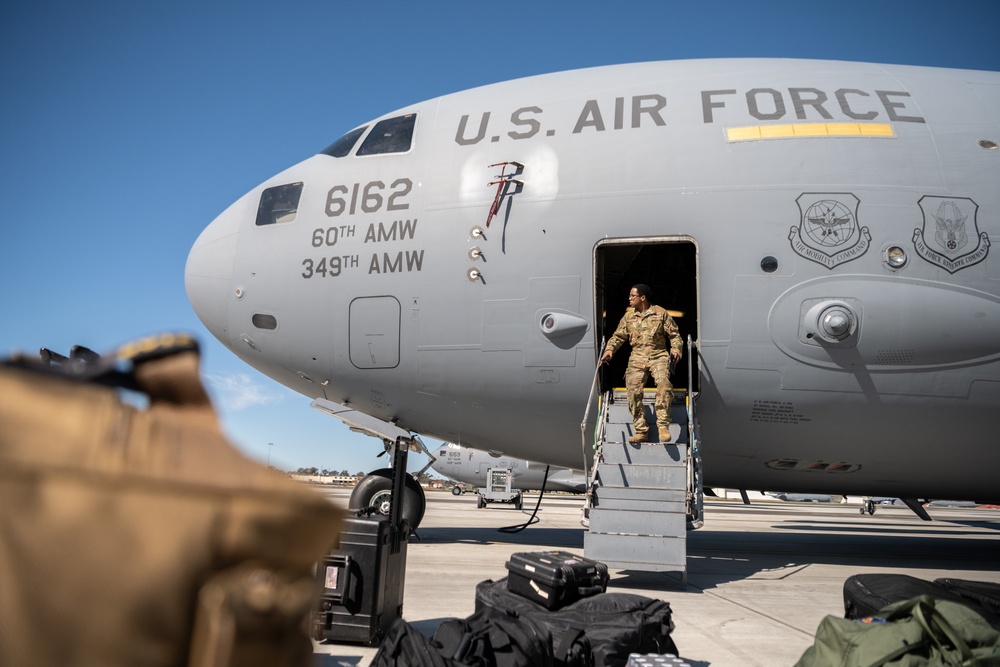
<point>670,267</point>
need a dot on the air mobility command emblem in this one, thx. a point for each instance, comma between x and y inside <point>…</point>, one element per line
<point>828,231</point>
<point>949,236</point>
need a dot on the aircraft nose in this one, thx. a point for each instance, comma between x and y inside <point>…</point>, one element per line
<point>209,270</point>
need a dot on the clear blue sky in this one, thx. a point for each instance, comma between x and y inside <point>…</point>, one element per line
<point>128,126</point>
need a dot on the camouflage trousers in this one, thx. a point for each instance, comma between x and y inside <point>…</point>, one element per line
<point>640,368</point>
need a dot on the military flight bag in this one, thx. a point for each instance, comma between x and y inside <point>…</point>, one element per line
<point>136,534</point>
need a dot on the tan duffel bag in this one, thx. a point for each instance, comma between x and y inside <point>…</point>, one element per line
<point>141,536</point>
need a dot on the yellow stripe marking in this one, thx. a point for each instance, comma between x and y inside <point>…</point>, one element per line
<point>797,130</point>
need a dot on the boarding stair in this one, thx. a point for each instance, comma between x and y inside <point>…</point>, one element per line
<point>643,498</point>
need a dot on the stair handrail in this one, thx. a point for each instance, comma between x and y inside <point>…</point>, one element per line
<point>693,461</point>
<point>599,432</point>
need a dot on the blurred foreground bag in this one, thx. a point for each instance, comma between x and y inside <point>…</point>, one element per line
<point>919,632</point>
<point>142,536</point>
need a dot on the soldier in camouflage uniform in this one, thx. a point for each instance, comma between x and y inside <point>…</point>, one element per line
<point>654,338</point>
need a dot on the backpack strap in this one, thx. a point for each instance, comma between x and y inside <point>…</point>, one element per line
<point>164,367</point>
<point>564,653</point>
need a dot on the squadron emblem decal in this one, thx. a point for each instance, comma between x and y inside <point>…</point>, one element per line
<point>828,231</point>
<point>946,242</point>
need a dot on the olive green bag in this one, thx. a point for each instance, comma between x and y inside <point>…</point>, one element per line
<point>141,536</point>
<point>911,633</point>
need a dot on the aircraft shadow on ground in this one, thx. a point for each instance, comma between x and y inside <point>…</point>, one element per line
<point>533,538</point>
<point>719,557</point>
<point>932,529</point>
<point>724,556</point>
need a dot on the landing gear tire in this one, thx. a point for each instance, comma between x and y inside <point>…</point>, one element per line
<point>519,502</point>
<point>480,501</point>
<point>375,491</point>
<point>455,491</point>
<point>868,506</point>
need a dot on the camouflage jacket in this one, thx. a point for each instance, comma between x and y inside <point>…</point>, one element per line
<point>646,332</point>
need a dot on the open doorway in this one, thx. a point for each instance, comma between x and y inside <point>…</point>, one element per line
<point>670,267</point>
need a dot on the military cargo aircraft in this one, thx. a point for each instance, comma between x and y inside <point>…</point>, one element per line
<point>822,229</point>
<point>471,466</point>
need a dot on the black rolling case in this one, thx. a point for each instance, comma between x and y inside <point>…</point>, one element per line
<point>866,594</point>
<point>362,580</point>
<point>555,578</point>
<point>986,594</point>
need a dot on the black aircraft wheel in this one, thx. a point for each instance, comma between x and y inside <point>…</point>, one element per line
<point>480,502</point>
<point>519,502</point>
<point>375,491</point>
<point>455,491</point>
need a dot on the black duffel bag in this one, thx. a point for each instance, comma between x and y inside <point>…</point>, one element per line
<point>601,630</point>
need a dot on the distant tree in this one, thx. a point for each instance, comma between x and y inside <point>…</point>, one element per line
<point>344,473</point>
<point>307,471</point>
<point>424,478</point>
<point>359,474</point>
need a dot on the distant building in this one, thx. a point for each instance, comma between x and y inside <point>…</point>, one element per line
<point>336,480</point>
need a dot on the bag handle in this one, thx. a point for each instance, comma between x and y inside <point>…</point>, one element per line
<point>170,376</point>
<point>936,625</point>
<point>922,609</point>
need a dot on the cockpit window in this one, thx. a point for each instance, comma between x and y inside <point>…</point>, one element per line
<point>343,146</point>
<point>279,204</point>
<point>392,135</point>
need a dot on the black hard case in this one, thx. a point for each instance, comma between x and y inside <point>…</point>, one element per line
<point>362,581</point>
<point>555,578</point>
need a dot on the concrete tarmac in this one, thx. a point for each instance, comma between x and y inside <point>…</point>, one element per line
<point>760,577</point>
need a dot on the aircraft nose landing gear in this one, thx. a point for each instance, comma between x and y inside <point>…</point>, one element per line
<point>374,492</point>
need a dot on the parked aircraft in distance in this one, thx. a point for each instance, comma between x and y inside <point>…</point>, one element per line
<point>824,229</point>
<point>470,466</point>
<point>803,497</point>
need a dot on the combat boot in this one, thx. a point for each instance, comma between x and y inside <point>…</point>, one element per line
<point>637,438</point>
<point>664,432</point>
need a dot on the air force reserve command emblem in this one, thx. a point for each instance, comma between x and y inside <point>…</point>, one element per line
<point>828,231</point>
<point>949,236</point>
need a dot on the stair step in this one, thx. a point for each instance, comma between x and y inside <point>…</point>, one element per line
<point>638,552</point>
<point>633,494</point>
<point>620,432</point>
<point>642,476</point>
<point>640,505</point>
<point>647,453</point>
<point>636,522</point>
